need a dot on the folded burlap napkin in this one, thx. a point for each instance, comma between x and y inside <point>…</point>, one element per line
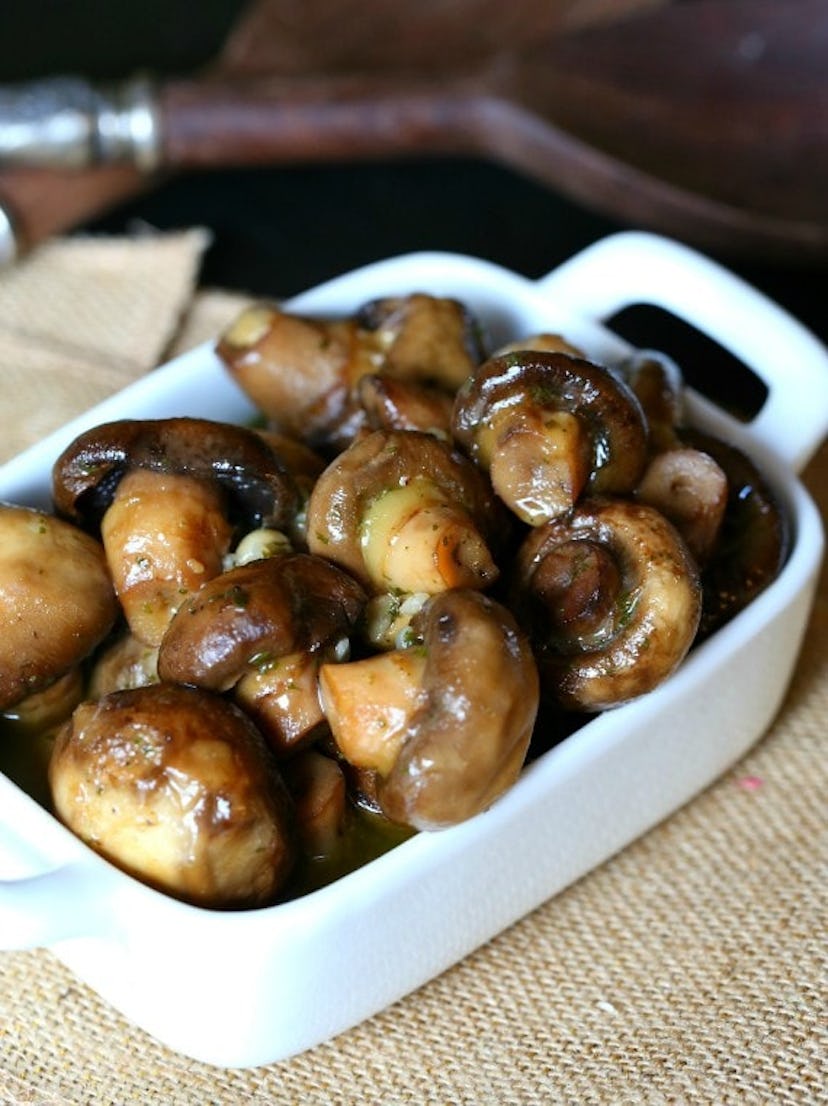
<point>691,968</point>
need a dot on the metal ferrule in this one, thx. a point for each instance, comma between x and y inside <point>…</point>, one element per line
<point>68,123</point>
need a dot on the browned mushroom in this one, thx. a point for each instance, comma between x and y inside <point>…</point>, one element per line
<point>658,384</point>
<point>393,404</point>
<point>176,786</point>
<point>402,510</point>
<point>305,466</point>
<point>686,485</point>
<point>301,372</point>
<point>168,495</point>
<point>547,426</point>
<point>445,724</point>
<point>56,600</point>
<point>262,628</point>
<point>754,539</point>
<point>428,339</point>
<point>690,489</point>
<point>546,341</point>
<point>316,784</point>
<point>611,598</point>
<point>125,663</point>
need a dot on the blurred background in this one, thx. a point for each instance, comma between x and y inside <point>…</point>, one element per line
<point>721,100</point>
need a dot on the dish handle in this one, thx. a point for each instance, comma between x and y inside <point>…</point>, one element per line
<point>73,900</point>
<point>635,267</point>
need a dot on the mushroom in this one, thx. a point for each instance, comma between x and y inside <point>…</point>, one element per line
<point>127,662</point>
<point>424,338</point>
<point>611,598</point>
<point>687,485</point>
<point>658,384</point>
<point>445,725</point>
<point>44,710</point>
<point>393,404</point>
<point>690,489</point>
<point>167,495</point>
<point>404,511</point>
<point>262,629</point>
<point>301,372</point>
<point>56,600</point>
<point>544,342</point>
<point>176,786</point>
<point>316,784</point>
<point>546,426</point>
<point>754,538</point>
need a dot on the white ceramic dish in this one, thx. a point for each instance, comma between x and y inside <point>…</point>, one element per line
<point>249,988</point>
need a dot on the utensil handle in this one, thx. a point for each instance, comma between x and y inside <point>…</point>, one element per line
<point>634,267</point>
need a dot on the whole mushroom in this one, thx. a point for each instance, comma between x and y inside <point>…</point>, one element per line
<point>611,598</point>
<point>56,600</point>
<point>445,724</point>
<point>404,511</point>
<point>175,785</point>
<point>304,373</point>
<point>168,496</point>
<point>428,339</point>
<point>262,629</point>
<point>686,484</point>
<point>301,372</point>
<point>753,541</point>
<point>548,426</point>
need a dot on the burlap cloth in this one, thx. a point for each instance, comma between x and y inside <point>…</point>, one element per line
<point>690,968</point>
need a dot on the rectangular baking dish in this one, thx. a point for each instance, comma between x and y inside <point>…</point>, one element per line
<point>249,988</point>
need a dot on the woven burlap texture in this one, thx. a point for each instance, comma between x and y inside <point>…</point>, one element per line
<point>689,968</point>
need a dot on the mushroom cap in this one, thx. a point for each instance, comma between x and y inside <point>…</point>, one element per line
<point>558,381</point>
<point>612,600</point>
<point>467,740</point>
<point>56,600</point>
<point>258,486</point>
<point>175,785</point>
<point>256,613</point>
<point>383,461</point>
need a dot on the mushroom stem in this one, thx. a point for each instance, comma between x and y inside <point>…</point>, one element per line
<point>165,536</point>
<point>539,462</point>
<point>414,539</point>
<point>281,696</point>
<point>369,705</point>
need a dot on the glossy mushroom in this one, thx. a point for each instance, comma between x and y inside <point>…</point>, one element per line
<point>301,372</point>
<point>393,404</point>
<point>611,598</point>
<point>57,602</point>
<point>444,725</point>
<point>754,539</point>
<point>424,338</point>
<point>658,385</point>
<point>690,489</point>
<point>168,496</point>
<point>262,629</point>
<point>547,426</point>
<point>175,785</point>
<point>125,663</point>
<point>404,511</point>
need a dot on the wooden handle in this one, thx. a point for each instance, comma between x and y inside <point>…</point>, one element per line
<point>278,121</point>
